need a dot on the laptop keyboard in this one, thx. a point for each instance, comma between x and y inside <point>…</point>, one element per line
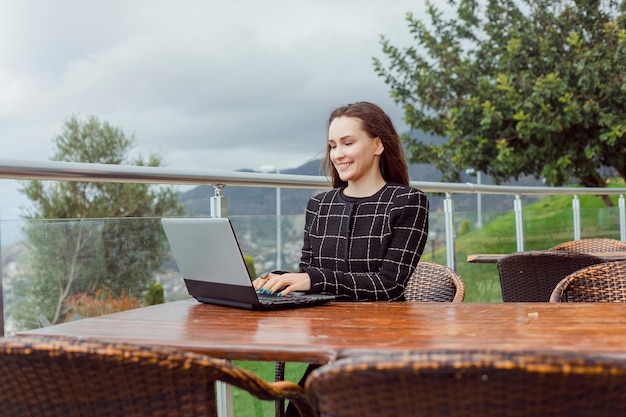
<point>287,299</point>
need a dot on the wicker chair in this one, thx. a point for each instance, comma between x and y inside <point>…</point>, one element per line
<point>56,377</point>
<point>461,384</point>
<point>592,245</point>
<point>531,276</point>
<point>603,283</point>
<point>434,282</point>
<point>429,282</point>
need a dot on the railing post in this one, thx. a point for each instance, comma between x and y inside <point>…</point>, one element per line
<point>223,391</point>
<point>519,223</point>
<point>448,210</point>
<point>279,235</point>
<point>218,202</point>
<point>622,218</point>
<point>576,211</point>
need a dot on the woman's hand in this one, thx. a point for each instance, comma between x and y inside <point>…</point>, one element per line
<point>282,284</point>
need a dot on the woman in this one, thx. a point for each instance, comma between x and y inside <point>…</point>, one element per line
<point>363,238</point>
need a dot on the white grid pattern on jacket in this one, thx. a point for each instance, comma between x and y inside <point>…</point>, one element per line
<point>366,248</point>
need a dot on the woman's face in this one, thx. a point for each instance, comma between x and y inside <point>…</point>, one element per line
<point>354,154</point>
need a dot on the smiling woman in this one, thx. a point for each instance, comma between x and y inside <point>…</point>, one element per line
<point>355,156</point>
<point>363,238</point>
<point>368,127</point>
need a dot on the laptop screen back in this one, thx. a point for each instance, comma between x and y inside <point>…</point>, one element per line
<point>206,250</point>
<point>212,265</point>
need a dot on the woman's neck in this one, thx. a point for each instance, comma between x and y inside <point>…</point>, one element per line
<point>364,188</point>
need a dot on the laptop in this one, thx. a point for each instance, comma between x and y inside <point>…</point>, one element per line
<point>210,260</point>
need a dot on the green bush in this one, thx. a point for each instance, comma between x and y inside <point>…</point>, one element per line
<point>464,227</point>
<point>249,260</point>
<point>155,294</point>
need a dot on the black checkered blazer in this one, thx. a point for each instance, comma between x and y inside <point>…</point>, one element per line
<point>364,248</point>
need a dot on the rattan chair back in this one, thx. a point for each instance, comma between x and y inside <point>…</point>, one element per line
<point>592,245</point>
<point>531,276</point>
<point>603,283</point>
<point>57,377</point>
<point>433,282</point>
<point>462,384</point>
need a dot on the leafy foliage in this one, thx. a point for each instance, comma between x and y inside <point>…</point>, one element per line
<point>91,251</point>
<point>526,87</point>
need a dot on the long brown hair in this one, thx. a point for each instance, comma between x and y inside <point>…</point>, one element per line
<point>376,123</point>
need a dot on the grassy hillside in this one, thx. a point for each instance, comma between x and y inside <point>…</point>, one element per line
<point>546,223</point>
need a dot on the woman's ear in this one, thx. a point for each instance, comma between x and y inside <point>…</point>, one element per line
<point>379,147</point>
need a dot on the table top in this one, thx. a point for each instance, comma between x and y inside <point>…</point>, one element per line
<point>492,258</point>
<point>325,333</point>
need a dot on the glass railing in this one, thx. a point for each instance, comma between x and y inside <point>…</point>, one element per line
<point>58,270</point>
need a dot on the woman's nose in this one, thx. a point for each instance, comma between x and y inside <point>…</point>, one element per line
<point>338,151</point>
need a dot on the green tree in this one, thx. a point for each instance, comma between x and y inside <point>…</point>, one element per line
<point>78,241</point>
<point>526,87</point>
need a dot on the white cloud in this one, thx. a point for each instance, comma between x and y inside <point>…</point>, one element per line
<point>207,83</point>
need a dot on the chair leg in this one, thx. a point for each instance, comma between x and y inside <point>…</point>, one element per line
<point>279,375</point>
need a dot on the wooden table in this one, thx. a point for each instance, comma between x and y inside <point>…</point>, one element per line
<point>329,332</point>
<point>325,333</point>
<point>492,258</point>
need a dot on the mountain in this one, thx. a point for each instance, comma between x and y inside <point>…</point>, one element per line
<point>253,200</point>
<point>262,201</point>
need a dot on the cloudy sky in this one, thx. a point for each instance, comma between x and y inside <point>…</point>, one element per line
<point>208,84</point>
